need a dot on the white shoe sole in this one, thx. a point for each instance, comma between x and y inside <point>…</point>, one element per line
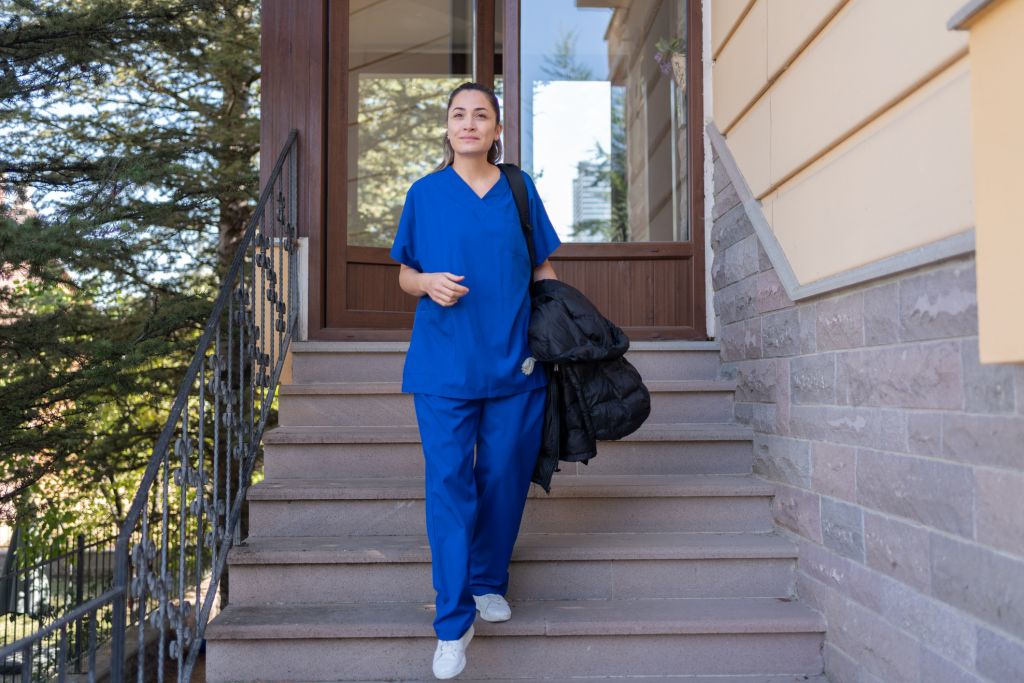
<point>493,620</point>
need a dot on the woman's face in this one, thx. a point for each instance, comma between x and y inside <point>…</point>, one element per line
<point>472,124</point>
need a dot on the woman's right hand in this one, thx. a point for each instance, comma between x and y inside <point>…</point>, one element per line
<point>443,288</point>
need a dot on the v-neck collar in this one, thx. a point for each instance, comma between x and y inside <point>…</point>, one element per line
<point>469,188</point>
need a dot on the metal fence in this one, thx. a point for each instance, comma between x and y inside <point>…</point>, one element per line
<point>35,592</point>
<point>171,551</point>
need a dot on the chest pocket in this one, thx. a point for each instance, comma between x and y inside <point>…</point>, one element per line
<point>515,271</point>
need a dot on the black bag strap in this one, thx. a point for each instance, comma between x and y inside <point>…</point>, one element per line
<point>515,180</point>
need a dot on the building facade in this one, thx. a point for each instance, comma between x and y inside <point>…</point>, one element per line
<point>824,193</point>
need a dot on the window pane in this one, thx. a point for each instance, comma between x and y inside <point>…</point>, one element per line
<point>405,56</point>
<point>603,123</point>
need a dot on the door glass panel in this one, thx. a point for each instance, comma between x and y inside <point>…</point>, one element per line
<point>405,56</point>
<point>603,124</point>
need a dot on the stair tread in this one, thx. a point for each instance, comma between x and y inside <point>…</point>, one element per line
<point>318,346</point>
<point>530,618</point>
<point>755,678</point>
<point>684,431</point>
<point>395,387</point>
<point>683,678</point>
<point>529,547</point>
<point>572,486</point>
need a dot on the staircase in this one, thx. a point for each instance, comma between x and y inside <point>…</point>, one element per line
<point>658,559</point>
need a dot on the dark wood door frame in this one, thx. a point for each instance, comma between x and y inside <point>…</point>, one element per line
<point>380,325</point>
<point>331,246</point>
<point>316,285</point>
<point>695,157</point>
<point>483,42</point>
<point>510,68</point>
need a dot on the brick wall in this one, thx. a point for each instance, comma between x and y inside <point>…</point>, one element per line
<point>898,459</point>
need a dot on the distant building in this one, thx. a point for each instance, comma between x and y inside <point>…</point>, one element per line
<point>591,198</point>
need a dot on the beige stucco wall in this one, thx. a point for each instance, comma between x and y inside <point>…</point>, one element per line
<point>850,121</point>
<point>997,124</point>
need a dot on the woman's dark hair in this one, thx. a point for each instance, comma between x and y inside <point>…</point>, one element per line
<point>494,153</point>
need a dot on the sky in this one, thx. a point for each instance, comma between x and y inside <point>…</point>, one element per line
<point>569,117</point>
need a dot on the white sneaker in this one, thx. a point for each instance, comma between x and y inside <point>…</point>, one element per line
<point>493,607</point>
<point>450,655</point>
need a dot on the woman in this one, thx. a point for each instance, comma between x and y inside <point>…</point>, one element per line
<point>469,368</point>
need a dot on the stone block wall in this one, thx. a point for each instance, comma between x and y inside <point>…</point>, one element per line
<point>898,459</point>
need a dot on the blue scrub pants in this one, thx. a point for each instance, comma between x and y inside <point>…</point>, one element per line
<point>473,512</point>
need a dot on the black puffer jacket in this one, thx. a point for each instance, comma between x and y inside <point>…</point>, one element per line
<point>594,393</point>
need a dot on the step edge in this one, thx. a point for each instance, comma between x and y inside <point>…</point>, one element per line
<point>393,387</point>
<point>798,618</point>
<point>588,486</point>
<point>748,546</point>
<point>263,560</point>
<point>656,678</point>
<point>315,346</point>
<point>655,432</point>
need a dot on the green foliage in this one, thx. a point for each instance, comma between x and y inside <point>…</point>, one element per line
<point>400,134</point>
<point>131,142</point>
<point>562,64</point>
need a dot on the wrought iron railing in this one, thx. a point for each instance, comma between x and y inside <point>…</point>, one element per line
<point>172,549</point>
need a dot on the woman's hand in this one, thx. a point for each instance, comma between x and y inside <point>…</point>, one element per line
<point>443,288</point>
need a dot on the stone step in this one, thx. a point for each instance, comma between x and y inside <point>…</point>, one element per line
<point>748,678</point>
<point>597,503</point>
<point>319,361</point>
<point>686,448</point>
<point>296,570</point>
<point>367,404</point>
<point>395,641</point>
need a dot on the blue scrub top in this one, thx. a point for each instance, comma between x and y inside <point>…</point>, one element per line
<point>476,348</point>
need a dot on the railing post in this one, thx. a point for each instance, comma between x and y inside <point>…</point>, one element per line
<point>119,621</point>
<point>293,235</point>
<point>79,599</point>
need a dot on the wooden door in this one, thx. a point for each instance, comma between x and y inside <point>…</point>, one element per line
<point>631,218</point>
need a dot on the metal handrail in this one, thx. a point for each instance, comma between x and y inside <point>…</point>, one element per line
<point>170,542</point>
<point>64,620</point>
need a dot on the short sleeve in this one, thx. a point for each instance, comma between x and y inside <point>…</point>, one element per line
<point>545,239</point>
<point>403,249</point>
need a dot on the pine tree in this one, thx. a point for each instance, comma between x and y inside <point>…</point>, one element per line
<point>131,129</point>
